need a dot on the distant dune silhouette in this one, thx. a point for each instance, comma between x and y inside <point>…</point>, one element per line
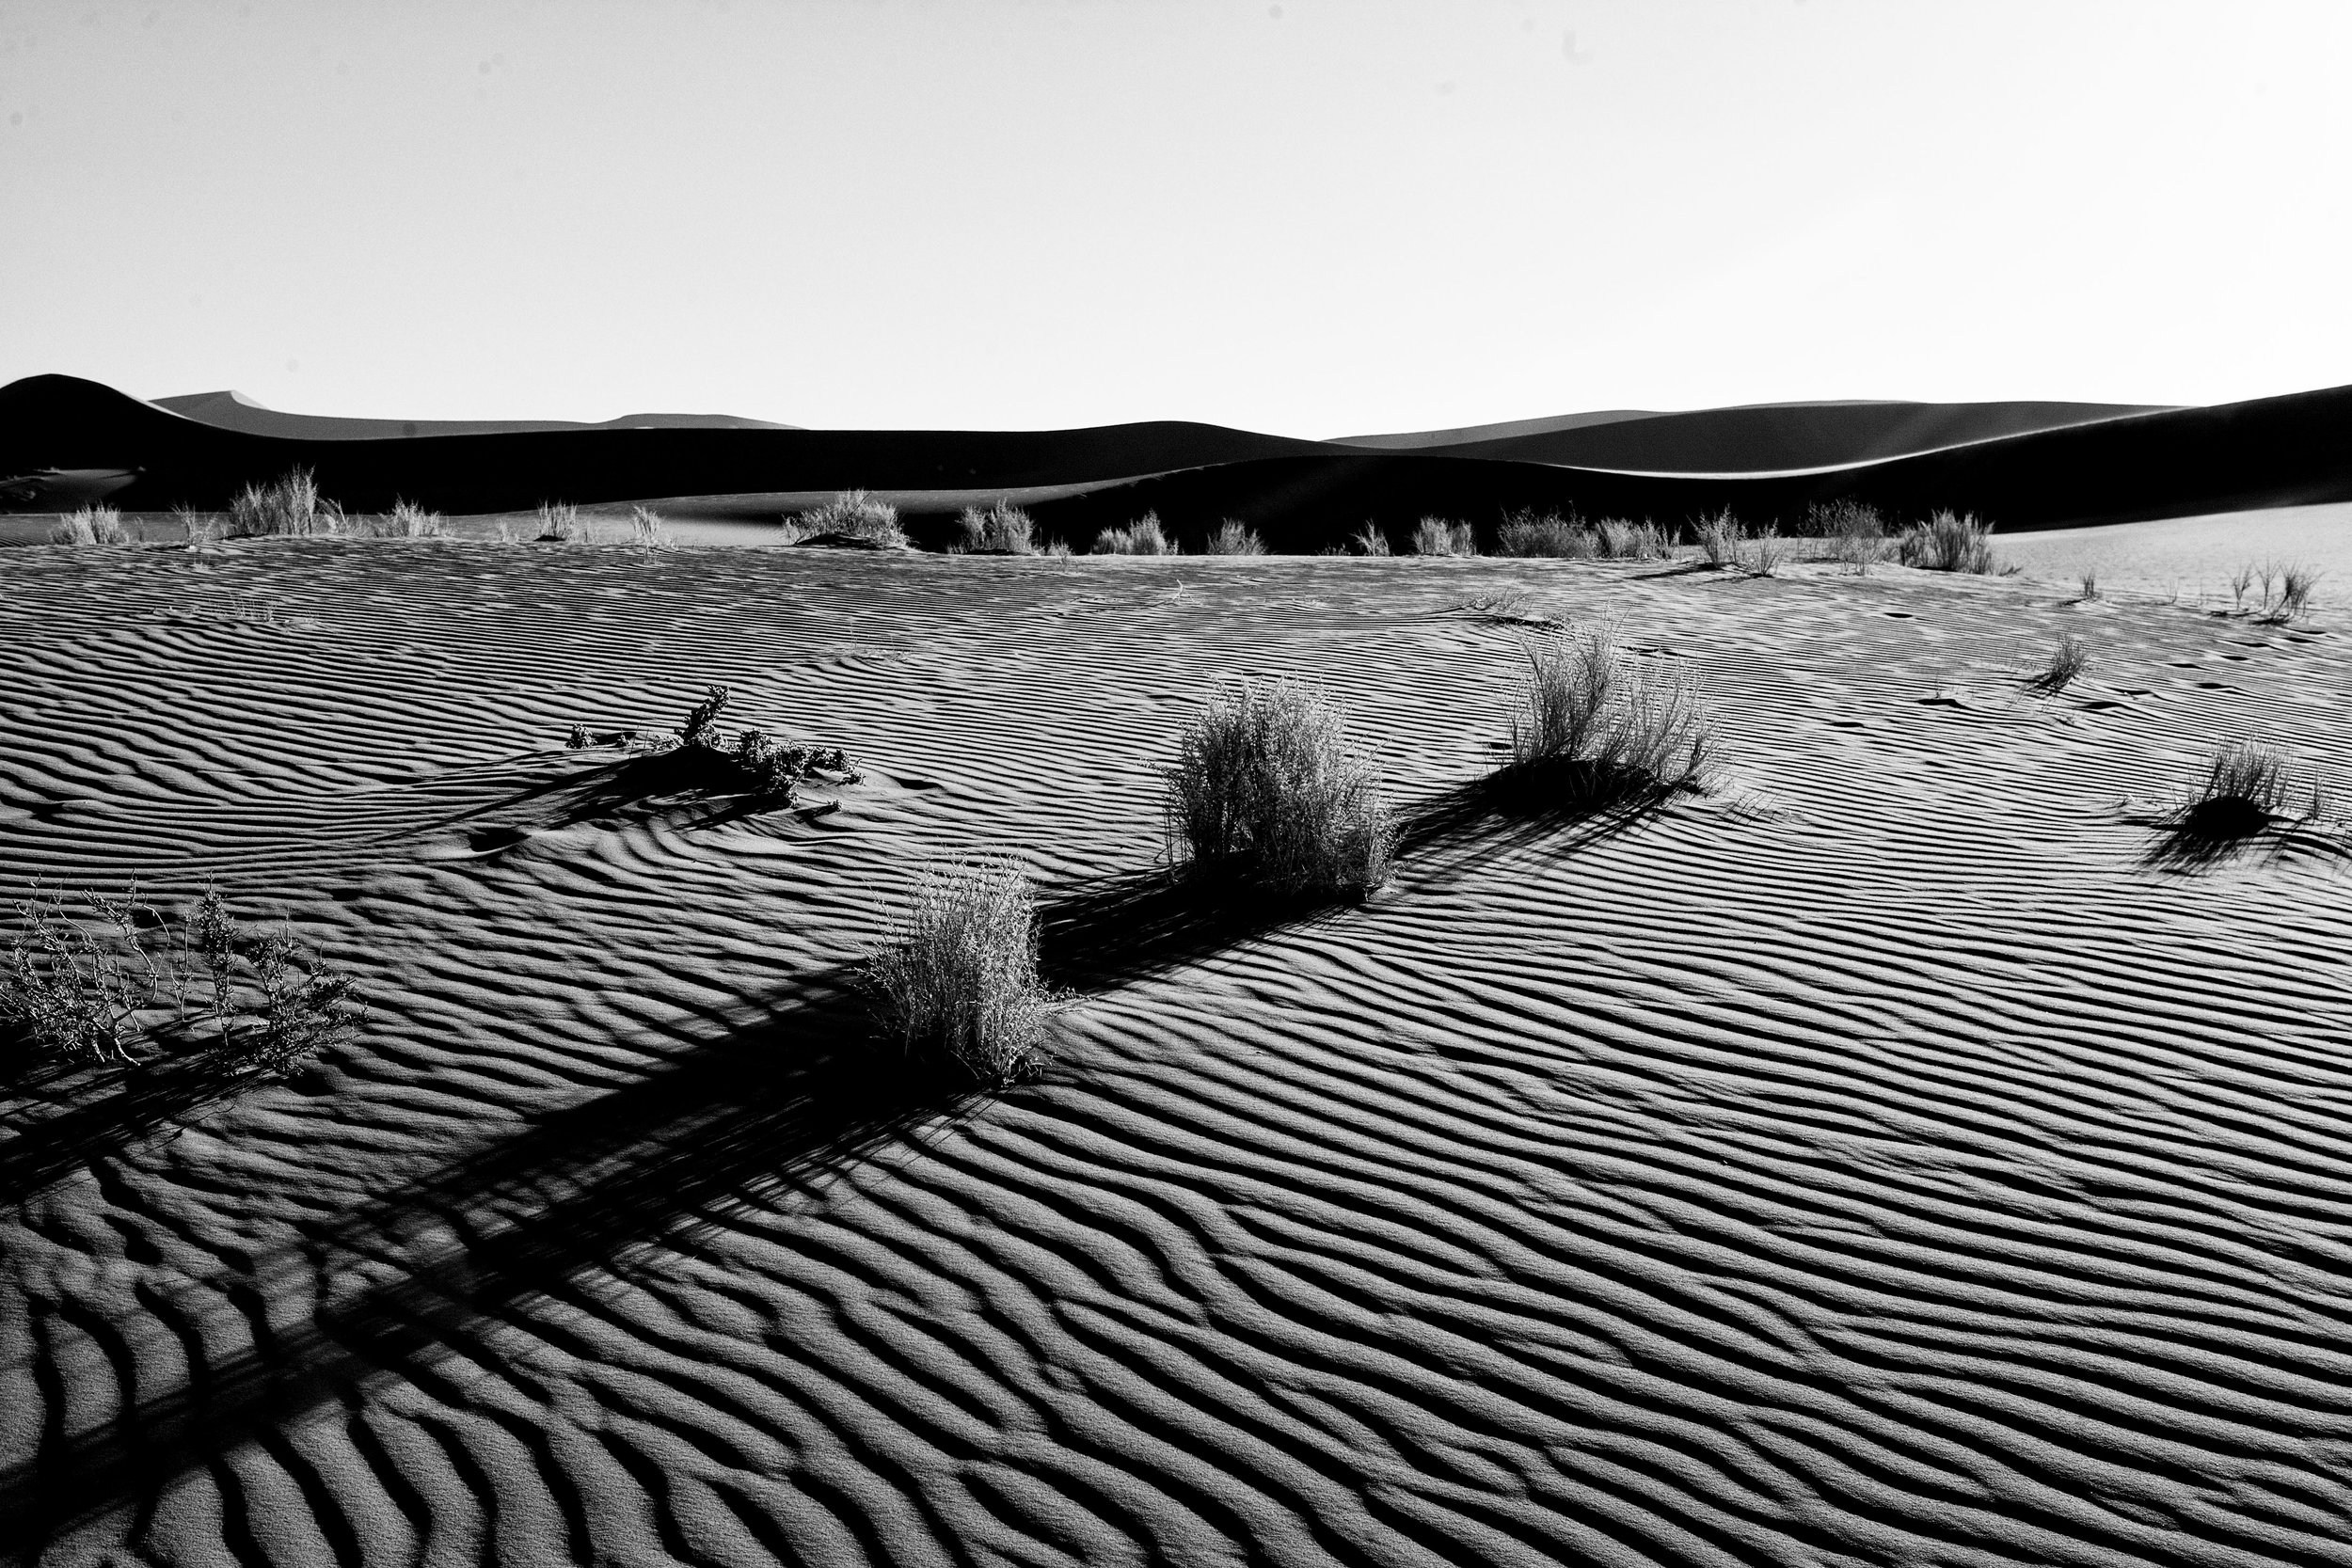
<point>2024,464</point>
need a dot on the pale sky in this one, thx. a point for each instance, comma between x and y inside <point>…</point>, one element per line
<point>1316,219</point>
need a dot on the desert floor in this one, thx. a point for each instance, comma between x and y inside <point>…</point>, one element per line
<point>1908,1154</point>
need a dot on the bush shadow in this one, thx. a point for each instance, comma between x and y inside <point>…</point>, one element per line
<point>434,1266</point>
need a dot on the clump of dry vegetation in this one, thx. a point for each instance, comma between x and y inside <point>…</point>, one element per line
<point>1526,533</point>
<point>289,506</point>
<point>1144,536</point>
<point>1720,538</point>
<point>90,525</point>
<point>1233,538</point>
<point>1593,728</point>
<point>1002,530</point>
<point>648,529</point>
<point>89,985</point>
<point>958,980</point>
<point>2286,589</point>
<point>774,770</point>
<point>405,520</point>
<point>1368,541</point>
<point>560,523</point>
<point>1436,536</point>
<point>2087,587</point>
<point>1266,788</point>
<point>1855,533</point>
<point>2065,664</point>
<point>857,515</point>
<point>2246,787</point>
<point>1949,541</point>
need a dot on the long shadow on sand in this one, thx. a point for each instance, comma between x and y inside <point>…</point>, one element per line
<point>1117,930</point>
<point>58,1122</point>
<point>431,1266</point>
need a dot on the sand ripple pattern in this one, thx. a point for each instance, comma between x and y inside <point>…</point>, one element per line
<point>1896,1159</point>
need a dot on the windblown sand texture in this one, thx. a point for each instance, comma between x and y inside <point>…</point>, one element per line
<point>1902,1157</point>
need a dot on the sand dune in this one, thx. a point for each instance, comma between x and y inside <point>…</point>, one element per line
<point>230,410</point>
<point>1895,1159</point>
<point>1758,440</point>
<point>1302,495</point>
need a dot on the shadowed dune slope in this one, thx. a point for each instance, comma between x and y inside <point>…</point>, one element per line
<point>1897,1159</point>
<point>2278,452</point>
<point>1751,440</point>
<point>235,411</point>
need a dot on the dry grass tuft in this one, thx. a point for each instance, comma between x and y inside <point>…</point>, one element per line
<point>958,980</point>
<point>1856,533</point>
<point>1233,538</point>
<point>2066,663</point>
<point>1265,787</point>
<point>291,506</point>
<point>2246,787</point>
<point>1144,536</point>
<point>648,529</point>
<point>1720,538</point>
<point>1949,541</point>
<point>90,525</point>
<point>1368,541</point>
<point>1593,728</point>
<point>853,514</point>
<point>1527,534</point>
<point>2087,587</point>
<point>1436,536</point>
<point>1002,530</point>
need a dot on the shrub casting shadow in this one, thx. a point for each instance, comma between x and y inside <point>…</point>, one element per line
<point>1118,929</point>
<point>528,1214</point>
<point>2209,834</point>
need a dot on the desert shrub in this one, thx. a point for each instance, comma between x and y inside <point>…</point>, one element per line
<point>90,525</point>
<point>291,505</point>
<point>1526,533</point>
<point>2246,786</point>
<point>1002,530</point>
<point>648,529</point>
<point>1949,541</point>
<point>701,728</point>
<point>1853,530</point>
<point>2066,662</point>
<point>958,979</point>
<point>75,987</point>
<point>1762,552</point>
<point>855,513</point>
<point>90,987</point>
<point>1368,539</point>
<point>2293,595</point>
<point>560,523</point>
<point>2087,587</point>
<point>411,521</point>
<point>1056,549</point>
<point>1265,787</point>
<point>1144,536</point>
<point>1436,536</point>
<point>1593,727</point>
<point>201,528</point>
<point>1234,538</point>
<point>1621,540</point>
<point>2240,580</point>
<point>1720,538</point>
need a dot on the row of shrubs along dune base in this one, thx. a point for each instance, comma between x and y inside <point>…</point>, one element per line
<point>105,980</point>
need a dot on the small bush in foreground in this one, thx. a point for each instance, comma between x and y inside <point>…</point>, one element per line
<point>88,986</point>
<point>1596,728</point>
<point>2066,662</point>
<point>2246,787</point>
<point>1761,554</point>
<point>1436,536</point>
<point>2286,591</point>
<point>90,525</point>
<point>1368,541</point>
<point>1233,538</point>
<point>1949,541</point>
<point>1855,533</point>
<point>1621,540</point>
<point>1265,787</point>
<point>291,506</point>
<point>853,514</point>
<point>1144,536</point>
<point>1002,530</point>
<point>958,978</point>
